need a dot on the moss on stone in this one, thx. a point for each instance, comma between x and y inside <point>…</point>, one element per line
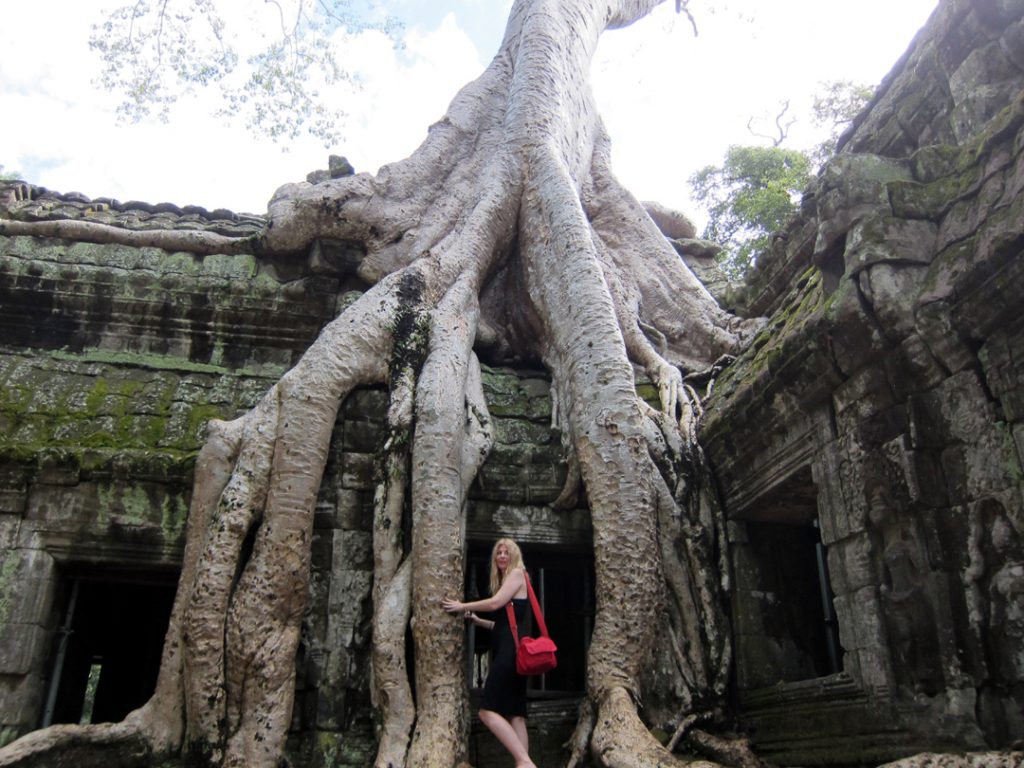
<point>8,583</point>
<point>166,363</point>
<point>510,395</point>
<point>912,200</point>
<point>340,750</point>
<point>8,734</point>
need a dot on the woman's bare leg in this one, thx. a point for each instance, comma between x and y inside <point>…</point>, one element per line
<point>507,735</point>
<point>519,726</point>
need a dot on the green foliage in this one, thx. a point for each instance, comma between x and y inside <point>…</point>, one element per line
<point>756,189</point>
<point>752,194</point>
<point>155,51</point>
<point>8,175</point>
<point>835,107</point>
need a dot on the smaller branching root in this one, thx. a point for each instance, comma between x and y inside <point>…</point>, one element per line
<point>106,745</point>
<point>191,241</point>
<point>391,691</point>
<point>579,743</point>
<point>728,751</point>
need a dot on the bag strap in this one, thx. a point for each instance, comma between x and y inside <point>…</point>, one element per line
<point>510,611</point>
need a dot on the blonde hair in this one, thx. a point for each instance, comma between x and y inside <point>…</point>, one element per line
<point>515,560</point>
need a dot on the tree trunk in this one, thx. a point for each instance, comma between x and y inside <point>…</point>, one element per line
<point>505,232</point>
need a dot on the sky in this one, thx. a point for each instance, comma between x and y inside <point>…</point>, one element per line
<point>673,102</point>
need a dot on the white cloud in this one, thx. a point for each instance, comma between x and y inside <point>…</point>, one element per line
<point>672,102</point>
<point>62,133</point>
<point>404,92</point>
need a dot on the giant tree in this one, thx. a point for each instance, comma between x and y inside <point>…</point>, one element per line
<point>504,233</point>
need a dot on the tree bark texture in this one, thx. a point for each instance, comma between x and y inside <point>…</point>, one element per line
<point>504,233</point>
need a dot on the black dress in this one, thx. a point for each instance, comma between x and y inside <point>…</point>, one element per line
<point>505,689</point>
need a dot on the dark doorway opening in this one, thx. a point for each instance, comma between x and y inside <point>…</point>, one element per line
<point>564,583</point>
<point>107,654</point>
<point>786,628</point>
<point>793,567</point>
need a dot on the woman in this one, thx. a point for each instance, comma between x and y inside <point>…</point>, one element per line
<point>503,706</point>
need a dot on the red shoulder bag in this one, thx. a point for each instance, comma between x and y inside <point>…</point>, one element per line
<point>534,655</point>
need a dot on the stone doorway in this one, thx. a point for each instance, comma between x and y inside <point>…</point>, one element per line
<point>783,610</point>
<point>564,586</point>
<point>108,644</point>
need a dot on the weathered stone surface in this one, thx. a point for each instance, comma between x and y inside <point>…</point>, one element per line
<point>913,299</point>
<point>884,401</point>
<point>673,224</point>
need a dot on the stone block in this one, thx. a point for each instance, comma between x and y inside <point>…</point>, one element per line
<point>887,288</point>
<point>855,334</point>
<point>58,468</point>
<point>325,512</point>
<point>993,463</point>
<point>321,550</point>
<point>508,455</point>
<point>498,482</point>
<point>941,337</point>
<point>23,648</point>
<point>544,482</point>
<point>831,501</point>
<point>736,532</point>
<point>317,611</point>
<point>10,528</point>
<point>853,186</point>
<point>954,470</point>
<point>866,391</point>
<point>349,595</point>
<point>514,431</point>
<point>508,394</point>
<point>529,524</point>
<point>862,610</point>
<point>36,592</point>
<point>21,700</point>
<point>1018,441</point>
<point>919,474</point>
<point>354,511</point>
<point>1011,400</point>
<point>875,671</point>
<point>352,550</point>
<point>880,239</point>
<point>360,436</point>
<point>26,586</point>
<point>366,404</point>
<point>843,605</point>
<point>357,471</point>
<point>853,564</point>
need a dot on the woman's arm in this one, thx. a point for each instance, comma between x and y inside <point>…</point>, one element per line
<point>512,584</point>
<point>482,623</point>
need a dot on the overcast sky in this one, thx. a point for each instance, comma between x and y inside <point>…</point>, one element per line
<point>672,102</point>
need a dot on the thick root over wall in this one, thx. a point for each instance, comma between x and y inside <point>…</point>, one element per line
<point>506,234</point>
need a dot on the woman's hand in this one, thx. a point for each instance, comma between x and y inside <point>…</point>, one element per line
<point>452,606</point>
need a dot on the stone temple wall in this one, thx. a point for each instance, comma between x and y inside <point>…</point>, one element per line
<point>877,424</point>
<point>867,446</point>
<point>112,360</point>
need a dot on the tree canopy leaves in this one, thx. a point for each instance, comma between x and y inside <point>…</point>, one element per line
<point>155,51</point>
<point>756,188</point>
<point>748,197</point>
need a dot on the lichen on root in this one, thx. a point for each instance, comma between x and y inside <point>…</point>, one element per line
<point>506,234</point>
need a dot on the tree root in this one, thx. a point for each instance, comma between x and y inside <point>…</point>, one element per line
<point>621,740</point>
<point>190,241</point>
<point>107,745</point>
<point>511,198</point>
<point>733,752</point>
<point>968,760</point>
<point>393,694</point>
